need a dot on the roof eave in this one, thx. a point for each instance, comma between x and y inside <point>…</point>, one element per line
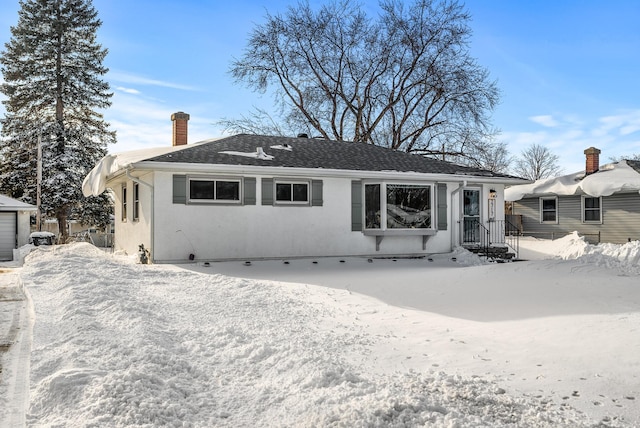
<point>317,172</point>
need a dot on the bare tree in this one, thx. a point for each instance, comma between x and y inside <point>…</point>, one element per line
<point>635,156</point>
<point>492,156</point>
<point>537,162</point>
<point>404,80</point>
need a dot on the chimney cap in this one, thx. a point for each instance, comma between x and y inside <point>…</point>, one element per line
<point>592,151</point>
<point>180,116</point>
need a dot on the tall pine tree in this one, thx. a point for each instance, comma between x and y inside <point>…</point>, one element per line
<point>53,69</point>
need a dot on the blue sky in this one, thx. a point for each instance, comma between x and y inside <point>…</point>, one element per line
<point>568,70</point>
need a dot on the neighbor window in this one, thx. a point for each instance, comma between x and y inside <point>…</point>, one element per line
<point>591,209</point>
<point>124,203</point>
<point>548,210</point>
<point>397,206</point>
<point>292,192</point>
<point>208,190</point>
<point>136,201</point>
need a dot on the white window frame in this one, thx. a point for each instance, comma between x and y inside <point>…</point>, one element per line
<point>123,205</point>
<point>548,198</point>
<point>291,183</point>
<point>384,211</point>
<point>214,180</point>
<point>583,210</point>
<point>136,202</point>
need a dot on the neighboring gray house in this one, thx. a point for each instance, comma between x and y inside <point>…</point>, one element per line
<point>15,225</point>
<point>251,197</point>
<point>601,203</point>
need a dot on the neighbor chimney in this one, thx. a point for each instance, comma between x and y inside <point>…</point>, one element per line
<point>179,128</point>
<point>593,160</point>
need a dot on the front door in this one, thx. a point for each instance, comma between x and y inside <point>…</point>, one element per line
<point>471,216</point>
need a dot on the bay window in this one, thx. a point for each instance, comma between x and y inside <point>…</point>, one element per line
<point>397,206</point>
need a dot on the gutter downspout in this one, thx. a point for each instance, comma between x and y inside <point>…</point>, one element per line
<point>461,185</point>
<point>137,180</point>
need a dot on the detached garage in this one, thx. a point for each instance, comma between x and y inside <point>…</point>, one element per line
<point>14,225</point>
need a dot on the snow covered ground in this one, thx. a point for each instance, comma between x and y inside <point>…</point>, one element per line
<point>445,341</point>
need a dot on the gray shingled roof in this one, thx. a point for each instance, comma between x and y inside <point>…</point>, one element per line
<point>315,153</point>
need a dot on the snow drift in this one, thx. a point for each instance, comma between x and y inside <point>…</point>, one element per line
<point>120,344</point>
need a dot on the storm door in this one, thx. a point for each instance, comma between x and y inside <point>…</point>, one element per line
<point>471,216</point>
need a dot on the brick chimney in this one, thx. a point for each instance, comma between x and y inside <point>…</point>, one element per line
<point>593,160</point>
<point>179,120</point>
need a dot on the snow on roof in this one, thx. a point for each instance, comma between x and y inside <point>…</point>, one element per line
<point>611,178</point>
<point>258,154</point>
<point>10,204</point>
<point>96,181</point>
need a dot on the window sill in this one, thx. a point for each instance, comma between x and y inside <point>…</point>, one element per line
<point>380,234</point>
<point>400,232</point>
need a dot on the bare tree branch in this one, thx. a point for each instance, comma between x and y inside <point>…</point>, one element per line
<point>537,162</point>
<point>404,80</point>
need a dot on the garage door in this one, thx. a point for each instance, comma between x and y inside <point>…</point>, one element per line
<point>7,235</point>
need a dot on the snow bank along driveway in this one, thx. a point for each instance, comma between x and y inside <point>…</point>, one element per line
<point>120,344</point>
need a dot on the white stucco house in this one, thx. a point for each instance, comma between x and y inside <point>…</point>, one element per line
<point>15,225</point>
<point>251,197</point>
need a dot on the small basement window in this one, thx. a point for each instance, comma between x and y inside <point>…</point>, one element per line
<point>214,190</point>
<point>292,192</point>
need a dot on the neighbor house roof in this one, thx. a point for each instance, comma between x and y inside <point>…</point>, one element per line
<point>10,204</point>
<point>285,152</point>
<point>623,176</point>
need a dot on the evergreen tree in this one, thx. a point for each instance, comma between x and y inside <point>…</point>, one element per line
<point>53,68</point>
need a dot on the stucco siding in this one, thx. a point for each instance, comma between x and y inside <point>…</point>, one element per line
<point>217,232</point>
<point>130,233</point>
<point>254,228</point>
<point>620,218</point>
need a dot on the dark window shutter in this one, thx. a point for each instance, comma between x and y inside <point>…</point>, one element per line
<point>179,189</point>
<point>356,206</point>
<point>267,191</point>
<point>249,191</point>
<point>316,193</point>
<point>442,206</point>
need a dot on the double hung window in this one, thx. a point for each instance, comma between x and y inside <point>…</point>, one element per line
<point>591,210</point>
<point>549,210</point>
